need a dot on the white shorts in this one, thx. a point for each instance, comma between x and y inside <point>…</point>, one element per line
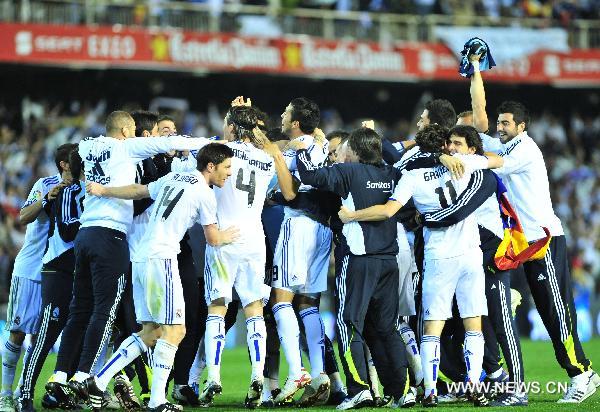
<point>462,275</point>
<point>24,304</point>
<point>301,259</point>
<point>406,291</point>
<point>239,266</point>
<point>157,292</point>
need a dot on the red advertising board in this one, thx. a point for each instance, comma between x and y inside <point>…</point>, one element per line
<point>85,46</point>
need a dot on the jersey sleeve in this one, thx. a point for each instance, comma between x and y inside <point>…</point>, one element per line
<point>490,144</point>
<point>67,213</point>
<point>36,193</point>
<point>139,148</point>
<point>480,187</point>
<point>332,178</point>
<point>405,189</point>
<point>516,161</point>
<point>154,187</point>
<point>207,212</point>
<point>474,162</point>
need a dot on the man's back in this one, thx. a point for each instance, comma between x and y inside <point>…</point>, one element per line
<point>180,200</point>
<point>433,188</point>
<point>240,201</point>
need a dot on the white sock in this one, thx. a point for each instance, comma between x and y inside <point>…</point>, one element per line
<point>214,343</point>
<point>257,344</point>
<point>289,334</point>
<point>315,339</point>
<point>80,376</point>
<point>373,377</point>
<point>336,382</point>
<point>60,377</point>
<point>164,356</point>
<point>412,351</point>
<point>430,358</point>
<point>473,352</point>
<point>198,366</point>
<point>105,354</point>
<point>130,349</point>
<point>10,357</point>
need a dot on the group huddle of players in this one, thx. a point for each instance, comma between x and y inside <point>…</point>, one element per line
<point>414,228</point>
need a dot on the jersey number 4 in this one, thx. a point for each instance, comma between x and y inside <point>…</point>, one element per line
<point>443,199</point>
<point>250,187</point>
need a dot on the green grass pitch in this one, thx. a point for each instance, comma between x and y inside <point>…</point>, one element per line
<point>540,365</point>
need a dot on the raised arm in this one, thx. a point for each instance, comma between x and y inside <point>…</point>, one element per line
<point>130,192</point>
<point>139,148</point>
<point>480,119</point>
<point>288,185</point>
<point>35,202</point>
<point>329,178</point>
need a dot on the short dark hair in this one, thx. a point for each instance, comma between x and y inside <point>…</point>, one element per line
<point>243,119</point>
<point>75,163</point>
<point>117,120</point>
<point>164,117</point>
<point>432,138</point>
<point>144,120</point>
<point>337,134</point>
<point>518,110</point>
<point>471,136</point>
<point>306,113</point>
<point>263,117</point>
<point>62,154</point>
<point>276,135</point>
<point>215,153</point>
<point>366,143</point>
<point>441,112</point>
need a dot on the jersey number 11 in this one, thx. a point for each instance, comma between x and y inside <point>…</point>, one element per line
<point>442,195</point>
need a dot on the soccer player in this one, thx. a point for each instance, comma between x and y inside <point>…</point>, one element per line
<point>57,270</point>
<point>181,199</point>
<point>241,265</point>
<point>526,179</point>
<point>300,264</point>
<point>25,289</point>
<point>448,270</point>
<point>101,249</point>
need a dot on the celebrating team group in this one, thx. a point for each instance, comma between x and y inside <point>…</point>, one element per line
<point>416,230</point>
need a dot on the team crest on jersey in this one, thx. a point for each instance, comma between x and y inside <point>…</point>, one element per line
<point>36,196</point>
<point>178,313</point>
<point>18,320</point>
<point>55,313</point>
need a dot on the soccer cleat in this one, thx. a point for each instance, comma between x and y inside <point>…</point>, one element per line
<point>595,379</point>
<point>7,404</point>
<point>211,390</point>
<point>479,399</point>
<point>125,394</point>
<point>110,401</point>
<point>48,402</point>
<point>292,385</point>
<point>317,392</point>
<point>407,401</point>
<point>335,398</point>
<point>185,395</point>
<point>254,394</point>
<point>62,394</point>
<point>80,392</point>
<point>430,401</point>
<point>448,398</point>
<point>166,407</point>
<point>360,400</point>
<point>89,392</point>
<point>580,388</point>
<point>24,405</point>
<point>511,399</point>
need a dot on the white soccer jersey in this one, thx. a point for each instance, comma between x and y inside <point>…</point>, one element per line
<point>28,263</point>
<point>433,188</point>
<point>318,156</point>
<point>180,200</point>
<point>526,179</point>
<point>112,162</point>
<point>488,216</point>
<point>240,201</point>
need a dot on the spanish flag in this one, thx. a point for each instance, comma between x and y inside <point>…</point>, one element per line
<point>514,248</point>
